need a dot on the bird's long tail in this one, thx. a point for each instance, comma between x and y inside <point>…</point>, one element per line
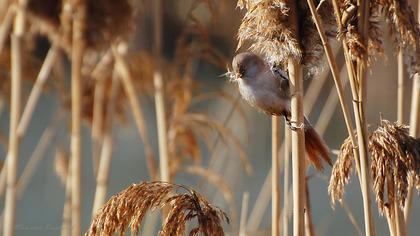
<point>315,147</point>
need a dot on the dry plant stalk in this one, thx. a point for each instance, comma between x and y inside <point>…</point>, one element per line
<point>106,151</point>
<point>414,128</point>
<point>395,162</point>
<point>401,87</point>
<point>129,207</point>
<point>128,85</point>
<point>244,214</point>
<point>355,21</point>
<point>159,95</point>
<point>78,47</point>
<point>275,176</point>
<point>16,77</point>
<point>216,180</point>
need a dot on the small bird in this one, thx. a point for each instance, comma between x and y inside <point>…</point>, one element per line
<point>267,88</point>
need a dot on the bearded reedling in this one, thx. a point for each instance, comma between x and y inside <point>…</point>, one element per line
<point>267,88</point>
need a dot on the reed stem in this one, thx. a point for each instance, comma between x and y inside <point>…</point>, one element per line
<point>414,132</point>
<point>66,226</point>
<point>286,185</point>
<point>298,149</point>
<point>106,151</point>
<point>401,86</point>
<point>6,25</point>
<point>98,110</point>
<point>309,225</point>
<point>37,90</point>
<point>159,95</point>
<point>128,85</point>
<point>336,76</point>
<point>16,77</point>
<point>77,52</point>
<point>358,104</point>
<point>275,176</point>
<point>244,214</point>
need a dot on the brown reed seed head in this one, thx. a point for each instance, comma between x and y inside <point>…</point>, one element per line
<point>395,161</point>
<point>395,165</point>
<point>313,50</point>
<point>267,25</point>
<point>106,20</point>
<point>402,24</point>
<point>129,207</point>
<point>341,171</point>
<point>404,30</point>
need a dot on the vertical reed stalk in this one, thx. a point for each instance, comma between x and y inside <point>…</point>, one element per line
<point>336,76</point>
<point>159,94</point>
<point>414,132</point>
<point>286,166</point>
<point>98,105</point>
<point>244,214</point>
<point>16,77</point>
<point>298,137</point>
<point>401,86</point>
<point>357,93</point>
<point>106,152</point>
<point>361,124</point>
<point>76,115</point>
<point>275,175</point>
<point>97,123</point>
<point>298,149</point>
<point>309,225</point>
<point>128,85</point>
<point>66,226</point>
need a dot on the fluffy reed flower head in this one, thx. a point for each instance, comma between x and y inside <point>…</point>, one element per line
<point>340,175</point>
<point>395,159</point>
<point>106,20</point>
<point>129,207</point>
<point>267,25</point>
<point>404,30</point>
<point>402,24</point>
<point>395,163</point>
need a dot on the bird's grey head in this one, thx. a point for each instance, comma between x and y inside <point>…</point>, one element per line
<point>247,65</point>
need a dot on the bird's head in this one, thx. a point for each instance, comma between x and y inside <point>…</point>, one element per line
<point>247,65</point>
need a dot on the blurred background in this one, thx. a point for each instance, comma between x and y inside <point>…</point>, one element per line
<point>199,41</point>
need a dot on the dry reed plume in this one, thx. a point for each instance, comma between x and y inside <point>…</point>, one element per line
<point>129,207</point>
<point>402,26</point>
<point>395,160</point>
<point>267,25</point>
<point>103,20</point>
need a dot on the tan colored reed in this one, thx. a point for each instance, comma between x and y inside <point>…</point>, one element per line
<point>401,86</point>
<point>16,77</point>
<point>129,88</point>
<point>244,214</point>
<point>78,47</point>
<point>414,130</point>
<point>275,176</point>
<point>106,150</point>
<point>159,94</point>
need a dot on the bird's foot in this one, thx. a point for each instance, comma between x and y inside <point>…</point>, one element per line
<point>294,126</point>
